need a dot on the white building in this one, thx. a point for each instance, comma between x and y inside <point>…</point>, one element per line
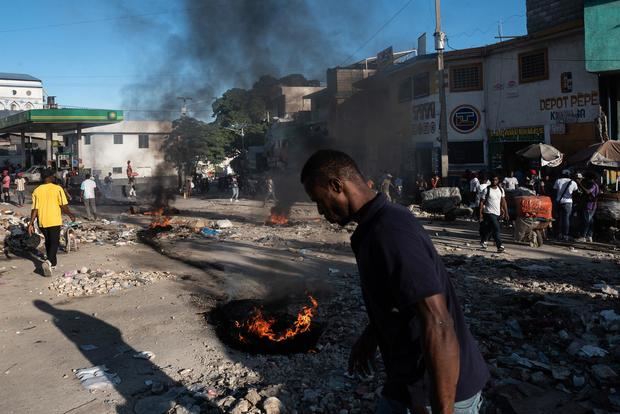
<point>107,148</point>
<point>20,92</point>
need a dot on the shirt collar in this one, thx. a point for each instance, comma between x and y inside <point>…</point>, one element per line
<point>365,215</point>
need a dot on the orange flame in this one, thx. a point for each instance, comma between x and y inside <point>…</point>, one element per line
<point>260,327</point>
<point>159,220</point>
<point>277,219</point>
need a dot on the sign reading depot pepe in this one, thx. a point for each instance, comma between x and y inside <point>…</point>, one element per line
<point>570,107</point>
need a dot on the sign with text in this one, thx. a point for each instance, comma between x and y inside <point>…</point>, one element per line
<point>465,119</point>
<point>534,133</point>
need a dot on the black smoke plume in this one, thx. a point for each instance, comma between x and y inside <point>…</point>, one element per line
<point>220,44</point>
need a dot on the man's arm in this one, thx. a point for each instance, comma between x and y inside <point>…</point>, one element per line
<point>441,351</point>
<point>362,357</point>
<point>481,208</point>
<point>33,215</point>
<point>503,208</point>
<point>65,209</point>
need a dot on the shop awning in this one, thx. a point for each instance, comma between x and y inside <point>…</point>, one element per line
<point>58,120</point>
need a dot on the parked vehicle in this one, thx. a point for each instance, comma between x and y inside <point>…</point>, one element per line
<point>33,174</point>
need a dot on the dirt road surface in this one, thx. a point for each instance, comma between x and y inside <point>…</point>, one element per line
<point>532,310</point>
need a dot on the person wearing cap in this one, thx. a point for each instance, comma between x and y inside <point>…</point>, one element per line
<point>20,189</point>
<point>564,188</point>
<point>48,203</point>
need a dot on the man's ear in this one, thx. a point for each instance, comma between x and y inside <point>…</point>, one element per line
<point>336,185</point>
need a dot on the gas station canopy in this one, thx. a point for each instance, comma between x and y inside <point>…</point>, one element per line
<point>58,120</point>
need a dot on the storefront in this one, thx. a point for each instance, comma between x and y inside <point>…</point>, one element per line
<point>503,145</point>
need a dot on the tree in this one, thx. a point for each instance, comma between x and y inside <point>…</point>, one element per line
<point>191,141</point>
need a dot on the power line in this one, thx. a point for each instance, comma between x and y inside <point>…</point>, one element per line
<point>390,20</point>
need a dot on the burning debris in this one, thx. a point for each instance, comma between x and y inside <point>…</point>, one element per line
<point>279,216</point>
<point>269,328</point>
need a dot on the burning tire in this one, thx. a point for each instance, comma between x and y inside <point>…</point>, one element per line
<point>268,328</point>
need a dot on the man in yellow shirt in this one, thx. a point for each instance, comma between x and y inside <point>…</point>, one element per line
<point>48,203</point>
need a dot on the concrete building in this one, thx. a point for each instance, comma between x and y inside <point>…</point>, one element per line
<point>500,98</point>
<point>602,37</point>
<point>20,92</point>
<point>107,148</point>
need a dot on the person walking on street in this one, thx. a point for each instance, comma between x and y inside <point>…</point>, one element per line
<point>385,186</point>
<point>564,188</point>
<point>510,182</point>
<point>87,196</point>
<point>187,188</point>
<point>492,208</point>
<point>6,186</point>
<point>20,189</point>
<point>234,183</point>
<point>591,190</point>
<point>131,180</point>
<point>430,357</point>
<point>48,204</point>
<point>271,194</point>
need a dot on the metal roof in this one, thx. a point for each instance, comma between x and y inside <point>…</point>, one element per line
<point>58,120</point>
<point>18,76</point>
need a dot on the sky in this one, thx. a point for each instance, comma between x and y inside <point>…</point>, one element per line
<point>89,52</point>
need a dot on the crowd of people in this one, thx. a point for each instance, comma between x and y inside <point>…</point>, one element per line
<point>574,195</point>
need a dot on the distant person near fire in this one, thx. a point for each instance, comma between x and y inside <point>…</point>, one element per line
<point>431,359</point>
<point>131,180</point>
<point>87,196</point>
<point>48,204</point>
<point>271,193</point>
<point>234,184</point>
<point>386,185</point>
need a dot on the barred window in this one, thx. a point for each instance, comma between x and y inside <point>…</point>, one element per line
<point>421,85</point>
<point>533,66</point>
<point>466,78</point>
<point>86,139</point>
<point>405,90</point>
<point>118,139</point>
<point>117,170</point>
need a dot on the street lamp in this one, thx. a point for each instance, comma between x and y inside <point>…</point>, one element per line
<point>239,131</point>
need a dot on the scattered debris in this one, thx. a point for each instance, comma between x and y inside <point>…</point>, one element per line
<point>91,282</point>
<point>97,378</point>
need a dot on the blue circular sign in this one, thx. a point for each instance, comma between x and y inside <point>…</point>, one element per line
<point>465,119</point>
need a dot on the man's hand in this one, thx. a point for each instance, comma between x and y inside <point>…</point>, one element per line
<point>362,358</point>
<point>72,217</point>
<point>30,229</point>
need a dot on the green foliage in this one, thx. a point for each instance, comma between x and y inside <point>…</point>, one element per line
<point>192,140</point>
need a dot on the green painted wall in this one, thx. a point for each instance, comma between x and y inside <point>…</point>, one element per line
<point>602,30</point>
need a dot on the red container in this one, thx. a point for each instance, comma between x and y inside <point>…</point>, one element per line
<point>534,206</point>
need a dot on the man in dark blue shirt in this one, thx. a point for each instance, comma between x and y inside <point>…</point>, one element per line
<point>431,358</point>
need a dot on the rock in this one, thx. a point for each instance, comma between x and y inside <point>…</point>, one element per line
<point>253,396</point>
<point>84,270</point>
<point>273,405</point>
<point>590,351</point>
<point>223,224</point>
<point>578,381</point>
<point>560,373</point>
<point>603,372</point>
<point>154,405</point>
<point>242,406</point>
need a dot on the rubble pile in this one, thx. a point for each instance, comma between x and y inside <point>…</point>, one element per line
<point>549,332</point>
<point>86,282</point>
<point>106,232</point>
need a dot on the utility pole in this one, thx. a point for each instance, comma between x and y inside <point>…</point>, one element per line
<point>440,40</point>
<point>184,106</point>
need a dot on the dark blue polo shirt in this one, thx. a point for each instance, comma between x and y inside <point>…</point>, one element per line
<point>398,267</point>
